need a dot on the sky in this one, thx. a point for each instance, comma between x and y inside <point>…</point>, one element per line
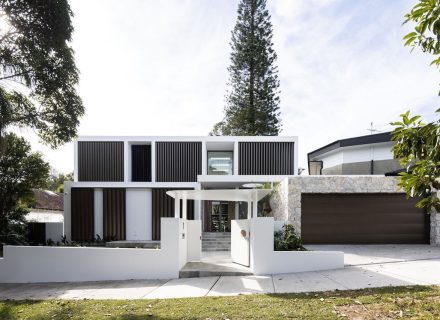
<point>160,68</point>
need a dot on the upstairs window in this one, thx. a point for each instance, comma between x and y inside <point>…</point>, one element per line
<point>220,162</point>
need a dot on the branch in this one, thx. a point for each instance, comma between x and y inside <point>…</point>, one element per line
<point>15,75</point>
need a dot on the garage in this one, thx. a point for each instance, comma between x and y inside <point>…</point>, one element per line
<point>364,218</point>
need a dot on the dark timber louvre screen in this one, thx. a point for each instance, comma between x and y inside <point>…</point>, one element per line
<point>82,214</point>
<point>141,163</point>
<point>114,214</point>
<point>100,161</point>
<point>178,161</point>
<point>163,206</point>
<point>266,158</point>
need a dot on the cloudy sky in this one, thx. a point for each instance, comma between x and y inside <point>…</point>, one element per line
<point>159,68</point>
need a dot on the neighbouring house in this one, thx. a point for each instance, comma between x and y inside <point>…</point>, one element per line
<point>46,217</point>
<point>365,155</point>
<point>120,184</point>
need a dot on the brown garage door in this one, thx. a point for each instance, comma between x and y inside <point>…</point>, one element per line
<point>362,219</point>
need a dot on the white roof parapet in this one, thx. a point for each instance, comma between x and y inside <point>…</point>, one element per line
<point>45,216</point>
<point>220,194</point>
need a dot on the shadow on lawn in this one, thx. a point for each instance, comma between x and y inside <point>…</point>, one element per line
<point>400,290</point>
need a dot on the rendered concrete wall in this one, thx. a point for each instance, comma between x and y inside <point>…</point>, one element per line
<point>23,264</point>
<point>138,214</point>
<point>264,260</point>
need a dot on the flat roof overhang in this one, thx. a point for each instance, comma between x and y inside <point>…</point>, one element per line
<point>220,194</point>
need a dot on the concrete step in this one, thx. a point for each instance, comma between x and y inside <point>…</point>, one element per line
<point>213,237</point>
<point>216,241</point>
<point>228,247</point>
<point>213,269</point>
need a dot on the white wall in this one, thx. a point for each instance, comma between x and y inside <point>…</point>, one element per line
<point>67,215</point>
<point>362,153</point>
<point>54,231</point>
<point>379,151</point>
<point>23,264</point>
<point>138,214</point>
<point>331,160</point>
<point>194,240</point>
<point>182,242</point>
<point>264,260</point>
<point>99,212</point>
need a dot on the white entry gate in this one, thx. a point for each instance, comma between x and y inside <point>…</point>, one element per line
<point>240,246</point>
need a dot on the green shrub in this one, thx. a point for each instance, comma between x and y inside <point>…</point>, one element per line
<point>287,240</point>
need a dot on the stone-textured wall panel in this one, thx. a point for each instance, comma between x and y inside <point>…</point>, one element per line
<point>435,226</point>
<point>279,201</point>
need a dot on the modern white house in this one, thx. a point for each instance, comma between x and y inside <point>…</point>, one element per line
<point>120,184</point>
<point>364,155</point>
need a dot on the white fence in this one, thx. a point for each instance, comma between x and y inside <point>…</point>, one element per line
<point>264,260</point>
<point>23,264</point>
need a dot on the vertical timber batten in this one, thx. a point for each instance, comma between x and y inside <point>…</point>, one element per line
<point>114,213</point>
<point>82,214</point>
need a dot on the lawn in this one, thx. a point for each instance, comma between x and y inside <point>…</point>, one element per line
<point>390,303</point>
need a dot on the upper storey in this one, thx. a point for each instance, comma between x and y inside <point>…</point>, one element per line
<point>182,159</point>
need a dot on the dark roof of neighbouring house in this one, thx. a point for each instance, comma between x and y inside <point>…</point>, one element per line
<point>48,200</point>
<point>356,141</point>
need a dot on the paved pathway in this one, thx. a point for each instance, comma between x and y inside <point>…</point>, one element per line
<point>390,273</point>
<point>366,267</point>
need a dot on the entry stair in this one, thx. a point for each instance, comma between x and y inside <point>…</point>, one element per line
<point>216,241</point>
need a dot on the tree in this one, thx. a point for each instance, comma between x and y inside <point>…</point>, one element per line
<point>426,34</point>
<point>418,144</point>
<point>55,182</point>
<point>252,102</point>
<point>418,149</point>
<point>21,170</point>
<point>37,70</point>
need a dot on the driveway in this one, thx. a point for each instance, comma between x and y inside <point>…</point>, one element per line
<point>355,255</point>
<point>367,267</point>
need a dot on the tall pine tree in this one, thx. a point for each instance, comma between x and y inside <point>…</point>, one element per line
<point>252,102</point>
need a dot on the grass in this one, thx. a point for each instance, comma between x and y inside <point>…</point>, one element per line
<point>386,303</point>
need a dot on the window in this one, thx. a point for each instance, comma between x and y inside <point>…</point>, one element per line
<point>220,162</point>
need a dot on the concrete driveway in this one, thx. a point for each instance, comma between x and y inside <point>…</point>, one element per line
<point>356,255</point>
<point>366,267</point>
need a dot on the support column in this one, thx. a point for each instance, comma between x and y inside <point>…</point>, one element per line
<point>255,204</point>
<point>249,209</point>
<point>184,203</point>
<point>127,164</point>
<point>99,214</point>
<point>177,207</point>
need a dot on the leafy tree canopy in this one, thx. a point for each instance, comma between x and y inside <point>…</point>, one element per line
<point>426,35</point>
<point>252,102</point>
<point>37,69</point>
<point>21,170</point>
<point>418,144</point>
<point>418,149</point>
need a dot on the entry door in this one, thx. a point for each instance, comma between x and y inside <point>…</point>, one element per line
<point>240,246</point>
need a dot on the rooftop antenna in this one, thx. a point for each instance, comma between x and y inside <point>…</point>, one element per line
<point>372,130</point>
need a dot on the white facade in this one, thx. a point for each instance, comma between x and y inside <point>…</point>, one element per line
<point>353,154</point>
<point>138,194</point>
